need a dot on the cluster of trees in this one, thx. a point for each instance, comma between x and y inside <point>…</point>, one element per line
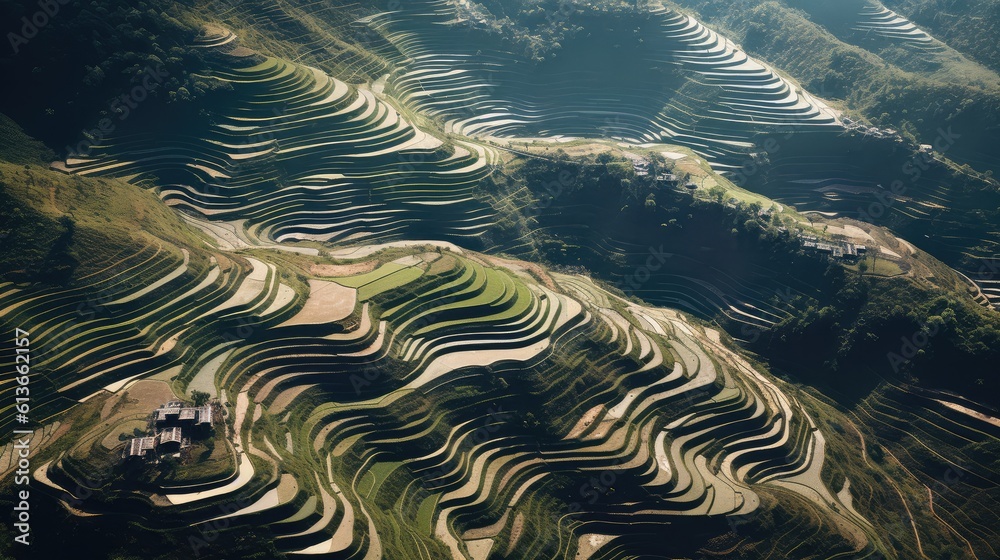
<point>895,328</point>
<point>92,60</point>
<point>554,196</point>
<point>540,29</point>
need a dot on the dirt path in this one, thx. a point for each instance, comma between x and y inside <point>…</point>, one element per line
<point>909,515</point>
<point>515,532</point>
<point>864,448</point>
<point>930,503</point>
<point>585,421</point>
<point>351,253</point>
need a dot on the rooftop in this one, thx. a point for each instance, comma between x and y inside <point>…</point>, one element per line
<point>170,435</point>
<point>139,446</point>
<point>205,414</point>
<point>162,413</point>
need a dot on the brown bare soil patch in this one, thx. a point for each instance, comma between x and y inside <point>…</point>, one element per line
<point>338,270</point>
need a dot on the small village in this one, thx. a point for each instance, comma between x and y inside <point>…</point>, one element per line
<point>641,168</point>
<point>872,131</point>
<point>839,250</point>
<point>172,427</point>
<point>836,250</point>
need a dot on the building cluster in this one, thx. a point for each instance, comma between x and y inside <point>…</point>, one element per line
<point>641,167</point>
<point>841,250</point>
<point>872,131</point>
<point>174,425</point>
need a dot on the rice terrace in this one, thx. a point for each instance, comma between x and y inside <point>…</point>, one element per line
<point>499,279</point>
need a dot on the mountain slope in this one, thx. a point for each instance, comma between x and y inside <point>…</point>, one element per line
<point>367,231</point>
<point>439,377</point>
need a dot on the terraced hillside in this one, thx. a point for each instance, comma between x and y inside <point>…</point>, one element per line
<point>869,65</point>
<point>962,26</point>
<point>685,84</point>
<point>462,64</point>
<point>294,154</point>
<point>591,213</point>
<point>941,208</point>
<point>378,242</point>
<point>879,21</point>
<point>944,441</point>
<point>292,129</point>
<point>415,397</point>
<point>883,70</point>
<point>125,295</point>
<point>420,400</point>
<point>682,83</point>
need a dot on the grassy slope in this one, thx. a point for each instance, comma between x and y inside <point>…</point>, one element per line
<point>113,43</point>
<point>51,244</point>
<point>60,227</point>
<point>17,147</point>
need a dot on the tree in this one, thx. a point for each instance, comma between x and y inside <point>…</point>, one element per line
<point>200,398</point>
<point>718,193</point>
<point>651,202</point>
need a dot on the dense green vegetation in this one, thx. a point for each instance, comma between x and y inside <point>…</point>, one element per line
<point>945,209</point>
<point>713,244</point>
<point>965,26</point>
<point>18,147</point>
<point>36,248</point>
<point>875,328</point>
<point>128,62</point>
<point>548,29</point>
